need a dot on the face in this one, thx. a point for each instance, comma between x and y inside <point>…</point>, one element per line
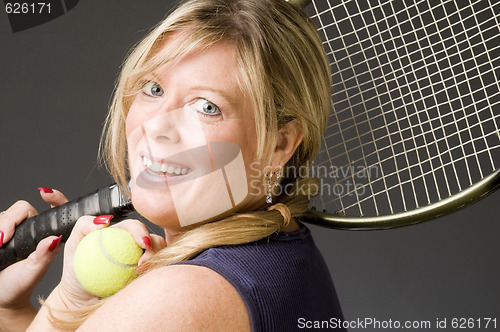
<point>192,142</point>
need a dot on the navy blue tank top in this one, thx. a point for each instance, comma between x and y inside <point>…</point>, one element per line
<point>283,281</point>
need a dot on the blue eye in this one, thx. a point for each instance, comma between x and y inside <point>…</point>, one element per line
<point>153,89</point>
<point>206,108</point>
<point>210,108</point>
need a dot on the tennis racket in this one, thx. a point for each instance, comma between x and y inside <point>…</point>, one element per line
<point>414,132</point>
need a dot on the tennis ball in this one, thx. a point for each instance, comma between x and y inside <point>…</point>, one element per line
<point>105,260</point>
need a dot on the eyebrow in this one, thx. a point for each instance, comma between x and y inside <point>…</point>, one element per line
<point>223,93</point>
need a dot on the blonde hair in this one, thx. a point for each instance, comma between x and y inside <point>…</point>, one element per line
<point>282,67</point>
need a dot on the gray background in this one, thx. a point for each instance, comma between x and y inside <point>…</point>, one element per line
<point>56,82</point>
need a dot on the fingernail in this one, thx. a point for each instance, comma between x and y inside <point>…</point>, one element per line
<point>46,190</point>
<point>1,239</point>
<point>55,243</point>
<point>147,242</point>
<point>103,220</point>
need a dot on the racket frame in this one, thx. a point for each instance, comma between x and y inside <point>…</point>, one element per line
<point>447,205</point>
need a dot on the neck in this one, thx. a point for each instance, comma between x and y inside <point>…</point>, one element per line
<point>170,236</point>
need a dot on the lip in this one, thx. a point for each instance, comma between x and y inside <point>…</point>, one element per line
<point>155,164</point>
<point>151,179</point>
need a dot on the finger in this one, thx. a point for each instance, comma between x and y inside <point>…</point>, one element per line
<point>52,196</point>
<point>46,251</point>
<point>157,243</point>
<point>138,230</point>
<point>25,275</point>
<point>84,226</point>
<point>13,216</point>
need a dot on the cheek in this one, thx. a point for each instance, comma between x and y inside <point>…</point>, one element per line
<point>132,119</point>
<point>135,119</point>
<point>244,136</point>
<point>132,134</point>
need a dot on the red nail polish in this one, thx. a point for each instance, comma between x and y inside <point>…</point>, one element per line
<point>103,220</point>
<point>46,190</point>
<point>55,243</point>
<point>1,239</point>
<point>147,242</point>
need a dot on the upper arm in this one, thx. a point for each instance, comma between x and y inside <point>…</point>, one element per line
<point>174,298</point>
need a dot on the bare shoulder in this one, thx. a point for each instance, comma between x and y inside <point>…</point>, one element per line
<point>174,298</point>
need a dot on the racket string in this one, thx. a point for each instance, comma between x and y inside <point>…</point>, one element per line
<point>414,96</point>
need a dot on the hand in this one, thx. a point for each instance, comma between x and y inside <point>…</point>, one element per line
<point>70,291</point>
<point>18,281</point>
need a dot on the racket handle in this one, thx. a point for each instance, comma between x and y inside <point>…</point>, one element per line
<point>60,221</point>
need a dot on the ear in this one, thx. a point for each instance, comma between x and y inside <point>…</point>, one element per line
<point>289,138</point>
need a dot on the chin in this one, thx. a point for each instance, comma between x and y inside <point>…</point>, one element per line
<point>156,206</point>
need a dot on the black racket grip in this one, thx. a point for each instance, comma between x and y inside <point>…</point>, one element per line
<point>60,221</point>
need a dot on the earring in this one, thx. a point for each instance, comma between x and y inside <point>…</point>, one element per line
<point>269,186</point>
<point>277,178</point>
<point>269,195</point>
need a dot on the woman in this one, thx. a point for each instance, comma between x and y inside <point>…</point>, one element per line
<point>212,111</point>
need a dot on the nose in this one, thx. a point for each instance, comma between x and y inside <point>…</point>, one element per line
<point>163,128</point>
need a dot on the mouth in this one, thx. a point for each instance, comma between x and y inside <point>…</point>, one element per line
<point>159,174</point>
<point>165,168</point>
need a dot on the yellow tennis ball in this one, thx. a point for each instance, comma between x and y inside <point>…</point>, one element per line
<point>105,260</point>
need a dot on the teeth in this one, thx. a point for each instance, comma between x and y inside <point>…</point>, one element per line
<point>157,167</point>
<point>146,161</point>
